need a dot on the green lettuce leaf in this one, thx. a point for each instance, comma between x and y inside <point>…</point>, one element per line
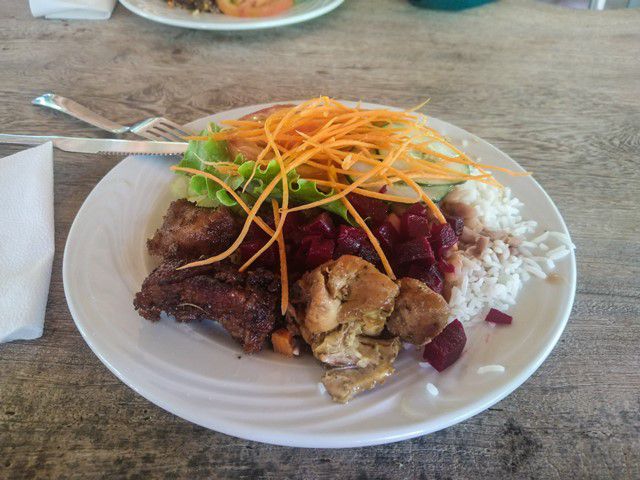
<point>300,190</point>
<point>199,189</point>
<point>205,150</point>
<point>207,193</point>
<point>306,191</point>
<point>202,191</point>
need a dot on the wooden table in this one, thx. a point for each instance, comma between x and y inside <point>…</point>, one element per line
<point>558,90</point>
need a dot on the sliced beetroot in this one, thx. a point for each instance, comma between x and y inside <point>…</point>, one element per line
<point>320,225</point>
<point>430,276</point>
<point>387,235</point>
<point>415,250</point>
<point>292,228</point>
<point>434,279</point>
<point>297,258</point>
<point>255,233</point>
<point>320,251</point>
<point>383,189</point>
<point>457,224</point>
<point>349,240</point>
<point>416,270</point>
<point>394,220</point>
<point>307,240</point>
<point>413,226</point>
<point>368,253</point>
<point>419,209</point>
<point>249,248</point>
<point>445,267</point>
<point>442,238</point>
<point>368,207</point>
<point>447,347</point>
<point>496,316</point>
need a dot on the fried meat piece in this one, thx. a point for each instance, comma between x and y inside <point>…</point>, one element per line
<point>189,232</point>
<point>245,304</point>
<point>346,290</point>
<point>343,383</point>
<point>420,313</point>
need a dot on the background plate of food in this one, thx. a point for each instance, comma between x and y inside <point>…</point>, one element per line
<point>359,372</point>
<point>230,14</point>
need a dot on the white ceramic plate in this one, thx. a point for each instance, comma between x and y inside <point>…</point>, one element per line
<point>159,11</point>
<point>198,373</point>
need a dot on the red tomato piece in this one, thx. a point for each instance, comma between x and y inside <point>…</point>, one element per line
<point>253,8</point>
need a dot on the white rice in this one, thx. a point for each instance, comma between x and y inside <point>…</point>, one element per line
<point>491,369</point>
<point>432,389</point>
<point>495,279</point>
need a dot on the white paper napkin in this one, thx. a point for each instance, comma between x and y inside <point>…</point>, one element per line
<point>72,9</point>
<point>26,241</point>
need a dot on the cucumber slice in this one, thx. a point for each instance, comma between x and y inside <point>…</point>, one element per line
<point>437,147</point>
<point>435,192</point>
<point>444,150</point>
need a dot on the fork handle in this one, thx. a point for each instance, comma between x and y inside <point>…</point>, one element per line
<point>68,106</point>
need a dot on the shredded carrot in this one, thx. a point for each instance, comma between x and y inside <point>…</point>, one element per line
<point>330,143</point>
<point>235,196</point>
<point>284,275</point>
<point>418,107</point>
<point>372,238</point>
<point>367,193</point>
<point>251,216</point>
<point>280,224</point>
<point>285,199</point>
<point>377,169</point>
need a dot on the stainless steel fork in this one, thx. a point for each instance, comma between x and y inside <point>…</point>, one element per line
<point>156,128</point>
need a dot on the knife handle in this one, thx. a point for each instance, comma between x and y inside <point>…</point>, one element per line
<point>26,139</point>
<point>74,109</point>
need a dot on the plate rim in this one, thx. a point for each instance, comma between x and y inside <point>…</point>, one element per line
<point>257,24</point>
<point>339,440</point>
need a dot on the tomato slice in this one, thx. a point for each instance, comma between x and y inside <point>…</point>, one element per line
<point>265,112</point>
<point>251,150</point>
<point>253,8</point>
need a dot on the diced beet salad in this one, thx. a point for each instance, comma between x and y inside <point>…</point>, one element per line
<point>446,348</point>
<point>414,242</point>
<point>254,241</point>
<point>496,316</point>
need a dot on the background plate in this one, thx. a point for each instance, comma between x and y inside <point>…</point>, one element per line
<point>159,11</point>
<point>198,373</point>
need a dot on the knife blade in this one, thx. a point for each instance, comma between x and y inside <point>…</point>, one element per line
<point>99,145</point>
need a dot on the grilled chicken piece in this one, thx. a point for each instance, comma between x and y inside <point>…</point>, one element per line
<point>420,313</point>
<point>339,346</point>
<point>345,347</point>
<point>344,290</point>
<point>344,383</point>
<point>245,304</point>
<point>189,232</point>
<point>338,307</point>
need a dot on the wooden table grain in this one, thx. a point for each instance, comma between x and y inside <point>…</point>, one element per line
<point>558,90</point>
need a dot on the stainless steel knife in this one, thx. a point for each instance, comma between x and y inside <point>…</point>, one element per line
<point>99,145</point>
